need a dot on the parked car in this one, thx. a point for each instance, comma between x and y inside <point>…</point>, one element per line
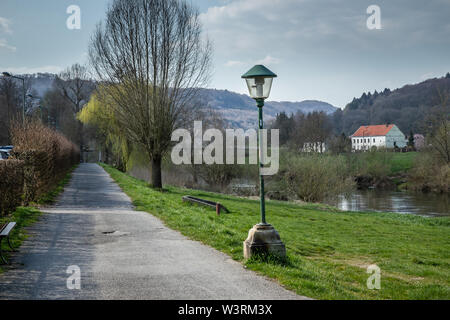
<point>5,151</point>
<point>4,154</point>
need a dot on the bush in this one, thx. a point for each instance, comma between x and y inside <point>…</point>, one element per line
<point>315,177</point>
<point>219,176</point>
<point>11,185</point>
<point>47,156</point>
<point>429,173</point>
<point>373,164</point>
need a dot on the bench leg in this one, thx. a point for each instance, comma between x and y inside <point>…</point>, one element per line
<point>1,253</point>
<point>10,245</point>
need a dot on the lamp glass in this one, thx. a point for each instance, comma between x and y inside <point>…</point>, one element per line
<point>259,87</point>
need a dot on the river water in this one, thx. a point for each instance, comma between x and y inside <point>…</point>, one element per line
<point>424,204</point>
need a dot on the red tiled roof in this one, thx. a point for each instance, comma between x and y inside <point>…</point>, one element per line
<point>370,131</point>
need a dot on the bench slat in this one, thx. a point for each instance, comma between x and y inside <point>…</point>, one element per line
<point>6,230</point>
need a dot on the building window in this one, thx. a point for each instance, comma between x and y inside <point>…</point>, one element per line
<point>374,140</point>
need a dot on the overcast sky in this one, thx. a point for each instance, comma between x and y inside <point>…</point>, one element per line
<point>320,49</point>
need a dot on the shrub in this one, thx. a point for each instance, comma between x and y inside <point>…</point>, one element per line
<point>314,177</point>
<point>47,156</point>
<point>11,184</point>
<point>373,164</point>
<point>219,176</point>
<point>429,173</point>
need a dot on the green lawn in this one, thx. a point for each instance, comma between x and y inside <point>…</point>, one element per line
<point>328,250</point>
<point>402,162</point>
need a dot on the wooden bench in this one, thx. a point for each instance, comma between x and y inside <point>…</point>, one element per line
<point>4,233</point>
<point>211,204</point>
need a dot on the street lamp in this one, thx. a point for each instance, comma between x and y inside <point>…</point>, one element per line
<point>9,75</point>
<point>262,238</point>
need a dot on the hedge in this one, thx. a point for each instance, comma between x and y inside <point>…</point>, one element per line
<point>11,185</point>
<point>40,159</point>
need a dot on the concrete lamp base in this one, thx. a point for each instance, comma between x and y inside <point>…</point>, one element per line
<point>263,239</point>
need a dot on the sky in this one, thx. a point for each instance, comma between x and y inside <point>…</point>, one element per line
<point>320,49</point>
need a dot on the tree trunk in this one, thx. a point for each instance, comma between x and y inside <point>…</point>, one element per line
<point>156,173</point>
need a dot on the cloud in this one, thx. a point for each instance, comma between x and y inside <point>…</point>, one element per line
<point>245,26</point>
<point>233,63</point>
<point>5,25</point>
<point>4,44</point>
<point>268,60</point>
<point>31,70</point>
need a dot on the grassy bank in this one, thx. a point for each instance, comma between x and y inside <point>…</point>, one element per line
<point>26,216</point>
<point>328,250</point>
<point>402,162</point>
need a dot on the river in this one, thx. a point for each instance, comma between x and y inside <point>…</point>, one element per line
<point>424,204</point>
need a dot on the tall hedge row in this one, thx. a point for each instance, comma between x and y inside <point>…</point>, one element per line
<point>11,185</point>
<point>41,157</point>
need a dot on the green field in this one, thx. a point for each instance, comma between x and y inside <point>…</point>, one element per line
<point>328,250</point>
<point>402,162</point>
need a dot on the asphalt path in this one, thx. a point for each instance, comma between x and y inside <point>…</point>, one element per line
<point>120,253</point>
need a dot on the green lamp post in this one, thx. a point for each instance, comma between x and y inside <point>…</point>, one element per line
<point>262,238</point>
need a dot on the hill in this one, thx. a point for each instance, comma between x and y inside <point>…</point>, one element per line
<point>240,111</point>
<point>406,107</point>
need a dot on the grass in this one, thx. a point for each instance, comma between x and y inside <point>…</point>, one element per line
<point>26,216</point>
<point>328,250</point>
<point>402,162</point>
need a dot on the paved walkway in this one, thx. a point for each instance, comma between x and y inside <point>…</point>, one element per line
<point>122,253</point>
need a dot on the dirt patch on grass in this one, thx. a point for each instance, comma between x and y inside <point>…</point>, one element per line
<point>364,263</point>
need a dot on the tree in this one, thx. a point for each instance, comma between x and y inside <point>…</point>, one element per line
<point>411,140</point>
<point>340,144</point>
<point>155,51</point>
<point>74,85</point>
<point>10,106</point>
<point>437,125</point>
<point>285,125</point>
<point>99,113</point>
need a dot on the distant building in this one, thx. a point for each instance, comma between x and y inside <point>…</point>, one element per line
<point>379,136</point>
<point>319,147</point>
<point>419,141</point>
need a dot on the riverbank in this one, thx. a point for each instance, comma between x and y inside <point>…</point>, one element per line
<point>328,250</point>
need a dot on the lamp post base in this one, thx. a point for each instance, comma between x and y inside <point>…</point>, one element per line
<point>263,239</point>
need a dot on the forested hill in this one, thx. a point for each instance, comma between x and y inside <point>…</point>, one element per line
<point>406,107</point>
<point>238,110</point>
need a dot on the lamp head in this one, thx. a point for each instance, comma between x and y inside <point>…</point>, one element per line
<point>259,81</point>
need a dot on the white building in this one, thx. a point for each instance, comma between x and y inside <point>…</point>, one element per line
<point>380,136</point>
<point>319,147</point>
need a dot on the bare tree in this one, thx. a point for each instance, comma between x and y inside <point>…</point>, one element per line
<point>151,57</point>
<point>438,127</point>
<point>313,129</point>
<point>10,106</point>
<point>74,85</point>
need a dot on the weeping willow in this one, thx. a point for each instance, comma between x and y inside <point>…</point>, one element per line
<point>99,113</point>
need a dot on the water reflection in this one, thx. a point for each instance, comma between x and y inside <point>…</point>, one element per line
<point>395,201</point>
